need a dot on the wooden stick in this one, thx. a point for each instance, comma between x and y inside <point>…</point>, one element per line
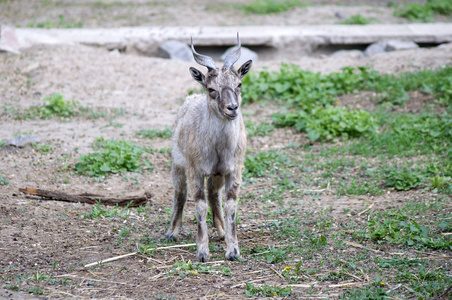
<point>131,201</point>
<point>360,246</point>
<point>133,253</point>
<point>369,208</point>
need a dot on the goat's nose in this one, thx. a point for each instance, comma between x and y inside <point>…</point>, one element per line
<point>232,107</point>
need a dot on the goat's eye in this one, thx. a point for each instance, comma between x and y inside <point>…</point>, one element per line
<point>239,85</point>
<point>211,91</point>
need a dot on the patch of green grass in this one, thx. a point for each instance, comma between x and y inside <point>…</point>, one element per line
<point>261,129</point>
<point>98,210</point>
<point>263,7</point>
<point>260,164</point>
<point>401,227</point>
<point>61,23</point>
<point>266,290</point>
<point>420,12</point>
<point>114,157</point>
<point>155,133</point>
<point>357,20</point>
<point>415,12</point>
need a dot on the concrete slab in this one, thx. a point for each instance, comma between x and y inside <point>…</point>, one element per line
<point>304,38</point>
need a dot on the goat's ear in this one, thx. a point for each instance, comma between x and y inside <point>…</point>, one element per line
<point>198,76</point>
<point>245,68</point>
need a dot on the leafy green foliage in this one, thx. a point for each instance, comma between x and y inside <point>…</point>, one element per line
<point>266,290</point>
<point>357,20</point>
<point>98,210</point>
<point>328,123</point>
<point>263,7</point>
<point>403,180</point>
<point>114,157</point>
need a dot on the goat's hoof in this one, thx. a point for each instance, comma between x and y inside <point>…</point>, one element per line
<point>171,237</point>
<point>233,255</point>
<point>203,257</point>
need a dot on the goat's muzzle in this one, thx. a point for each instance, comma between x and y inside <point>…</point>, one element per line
<point>230,105</point>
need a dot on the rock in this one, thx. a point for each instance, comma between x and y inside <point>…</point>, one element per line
<point>356,54</point>
<point>395,45</point>
<point>246,54</point>
<point>8,40</point>
<point>340,15</point>
<point>23,139</point>
<point>375,48</point>
<point>175,50</point>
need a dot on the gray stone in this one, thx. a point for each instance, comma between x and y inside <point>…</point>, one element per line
<point>8,40</point>
<point>340,15</point>
<point>246,55</point>
<point>396,45</point>
<point>348,54</point>
<point>23,139</point>
<point>175,50</point>
<point>375,48</point>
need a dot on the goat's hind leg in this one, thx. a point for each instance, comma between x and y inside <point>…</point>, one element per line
<point>230,210</point>
<point>214,185</point>
<point>179,199</point>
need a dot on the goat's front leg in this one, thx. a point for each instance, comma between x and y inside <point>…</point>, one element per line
<point>230,209</point>
<point>214,185</point>
<point>202,237</point>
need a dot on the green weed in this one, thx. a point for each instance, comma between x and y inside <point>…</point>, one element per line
<point>98,210</point>
<point>154,133</point>
<point>403,180</point>
<point>261,129</point>
<point>258,165</point>
<point>357,20</point>
<point>56,107</point>
<point>420,12</point>
<point>114,157</point>
<point>263,7</point>
<point>266,290</point>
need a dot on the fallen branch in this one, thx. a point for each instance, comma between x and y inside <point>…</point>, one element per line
<point>134,253</point>
<point>131,201</point>
<point>360,246</point>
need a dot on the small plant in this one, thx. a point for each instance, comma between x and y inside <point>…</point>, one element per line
<point>114,157</point>
<point>98,210</point>
<point>3,180</point>
<point>403,180</point>
<point>266,290</point>
<point>154,133</point>
<point>415,12</point>
<point>56,107</point>
<point>258,165</point>
<point>263,7</point>
<point>357,20</point>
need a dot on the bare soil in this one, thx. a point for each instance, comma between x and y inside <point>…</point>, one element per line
<point>55,239</point>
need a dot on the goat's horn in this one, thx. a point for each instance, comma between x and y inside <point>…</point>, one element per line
<point>233,55</point>
<point>203,60</point>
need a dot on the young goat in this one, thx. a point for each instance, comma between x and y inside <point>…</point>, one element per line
<point>209,140</point>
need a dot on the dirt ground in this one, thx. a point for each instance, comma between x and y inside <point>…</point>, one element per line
<point>51,238</point>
